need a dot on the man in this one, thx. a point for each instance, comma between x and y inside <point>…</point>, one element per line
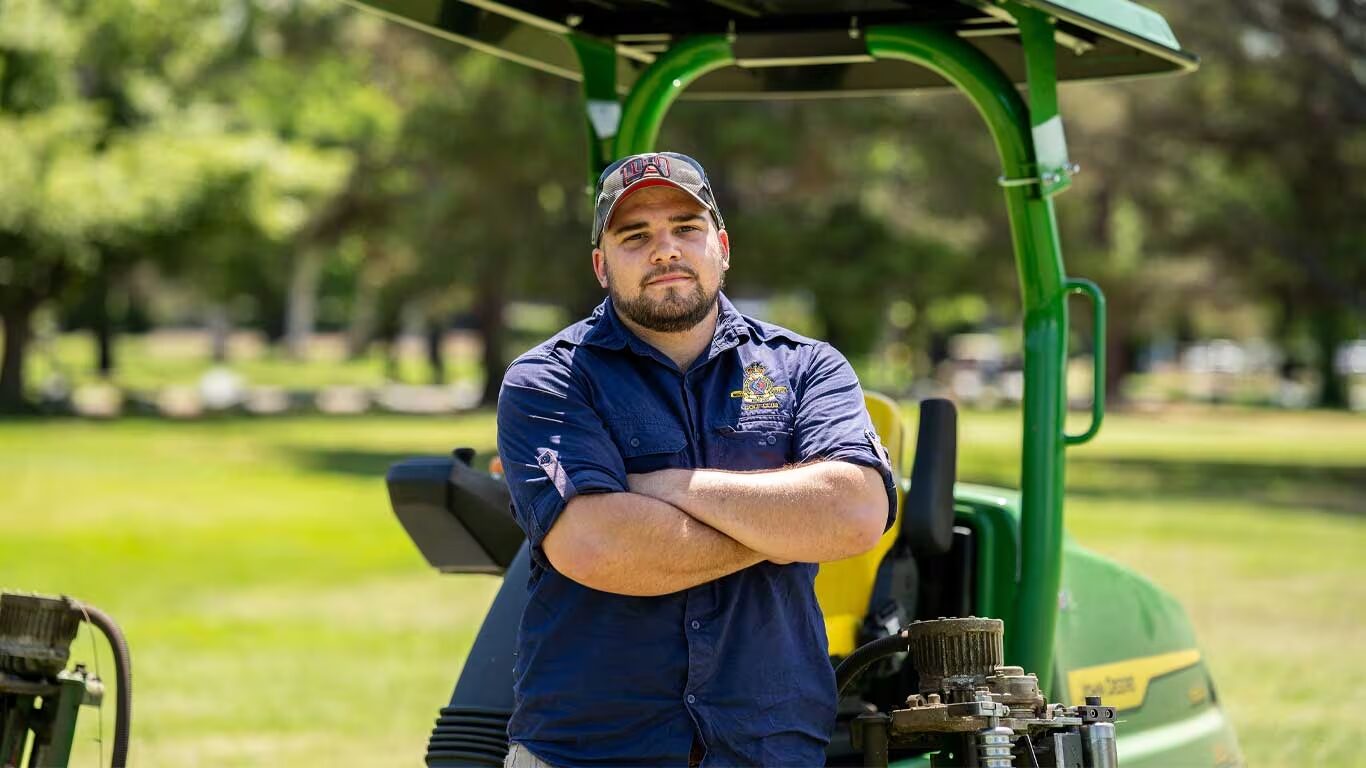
<point>679,470</point>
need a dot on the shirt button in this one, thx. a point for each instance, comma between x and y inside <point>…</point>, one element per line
<point>692,699</point>
<point>697,625</point>
<point>772,439</point>
<point>635,442</point>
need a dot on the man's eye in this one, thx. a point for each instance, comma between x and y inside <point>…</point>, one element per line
<point>636,236</point>
<point>689,228</point>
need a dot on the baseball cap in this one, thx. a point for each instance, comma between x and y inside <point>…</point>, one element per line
<point>650,169</point>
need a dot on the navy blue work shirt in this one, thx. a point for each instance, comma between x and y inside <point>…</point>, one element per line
<point>612,680</point>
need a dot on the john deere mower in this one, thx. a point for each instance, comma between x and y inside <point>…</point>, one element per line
<point>977,633</point>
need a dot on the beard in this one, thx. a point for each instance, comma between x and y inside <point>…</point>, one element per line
<point>677,311</point>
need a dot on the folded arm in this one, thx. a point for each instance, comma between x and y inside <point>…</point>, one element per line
<point>631,544</point>
<point>817,512</point>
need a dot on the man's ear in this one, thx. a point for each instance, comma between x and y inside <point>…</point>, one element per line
<point>724,237</point>
<point>600,266</point>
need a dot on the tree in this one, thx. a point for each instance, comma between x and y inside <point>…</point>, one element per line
<point>89,171</point>
<point>319,78</point>
<point>491,174</point>
<point>1261,161</point>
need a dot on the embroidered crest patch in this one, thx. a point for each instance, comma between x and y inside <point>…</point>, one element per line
<point>758,390</point>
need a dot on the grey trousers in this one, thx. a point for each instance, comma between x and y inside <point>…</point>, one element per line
<point>521,757</point>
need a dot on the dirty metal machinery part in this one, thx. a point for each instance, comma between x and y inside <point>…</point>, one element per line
<point>39,696</point>
<point>973,711</point>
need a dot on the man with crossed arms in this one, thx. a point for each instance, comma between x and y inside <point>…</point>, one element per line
<point>680,470</point>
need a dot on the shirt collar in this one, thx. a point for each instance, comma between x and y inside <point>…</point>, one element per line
<point>730,326</point>
<point>609,332</point>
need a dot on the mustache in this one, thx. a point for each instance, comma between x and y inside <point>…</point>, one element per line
<point>665,272</point>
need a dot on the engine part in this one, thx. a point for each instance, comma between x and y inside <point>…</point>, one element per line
<point>866,655</point>
<point>1100,742</point>
<point>994,747</point>
<point>975,712</point>
<point>35,644</point>
<point>35,634</point>
<point>956,654</point>
<point>123,675</point>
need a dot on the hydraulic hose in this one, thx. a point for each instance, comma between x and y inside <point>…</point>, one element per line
<point>864,656</point>
<point>123,676</point>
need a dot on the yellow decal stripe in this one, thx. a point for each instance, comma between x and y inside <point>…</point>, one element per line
<point>1124,684</point>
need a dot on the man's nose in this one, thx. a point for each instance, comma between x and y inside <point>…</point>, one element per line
<point>667,248</point>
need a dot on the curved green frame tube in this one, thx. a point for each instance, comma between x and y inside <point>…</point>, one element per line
<point>1030,631</point>
<point>1044,287</point>
<point>661,83</point>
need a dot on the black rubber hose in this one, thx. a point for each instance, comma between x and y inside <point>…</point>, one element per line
<point>864,656</point>
<point>123,677</point>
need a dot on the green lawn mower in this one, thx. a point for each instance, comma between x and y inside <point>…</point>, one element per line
<point>977,633</point>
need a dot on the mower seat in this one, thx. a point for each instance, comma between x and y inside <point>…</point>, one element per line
<point>843,587</point>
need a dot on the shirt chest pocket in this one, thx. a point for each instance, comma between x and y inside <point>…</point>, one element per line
<point>753,447</point>
<point>648,447</point>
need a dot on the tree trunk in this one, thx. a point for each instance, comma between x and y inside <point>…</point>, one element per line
<point>390,331</point>
<point>1121,354</point>
<point>364,317</point>
<point>488,315</point>
<point>833,329</point>
<point>17,318</point>
<point>302,303</point>
<point>1329,332</point>
<point>436,357</point>
<point>1122,340</point>
<point>104,332</point>
<point>220,330</point>
<point>391,357</point>
<point>104,343</point>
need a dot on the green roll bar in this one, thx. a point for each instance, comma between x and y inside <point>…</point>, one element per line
<point>1033,160</point>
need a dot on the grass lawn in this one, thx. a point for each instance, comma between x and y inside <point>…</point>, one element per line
<point>279,616</point>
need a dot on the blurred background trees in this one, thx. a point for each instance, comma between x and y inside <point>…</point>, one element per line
<point>295,167</point>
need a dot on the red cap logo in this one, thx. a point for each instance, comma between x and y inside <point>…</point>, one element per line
<point>638,168</point>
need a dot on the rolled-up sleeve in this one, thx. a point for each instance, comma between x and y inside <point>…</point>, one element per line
<point>832,422</point>
<point>553,445</point>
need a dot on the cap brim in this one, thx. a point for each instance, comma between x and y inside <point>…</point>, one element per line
<point>642,184</point>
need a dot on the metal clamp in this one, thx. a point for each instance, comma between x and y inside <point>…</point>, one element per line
<point>1051,177</point>
<point>1090,289</point>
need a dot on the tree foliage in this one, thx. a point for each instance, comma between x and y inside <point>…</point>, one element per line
<point>262,154</point>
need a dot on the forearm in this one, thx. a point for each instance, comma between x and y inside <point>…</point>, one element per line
<point>631,544</point>
<point>811,513</point>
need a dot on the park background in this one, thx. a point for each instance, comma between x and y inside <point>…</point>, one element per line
<point>254,251</point>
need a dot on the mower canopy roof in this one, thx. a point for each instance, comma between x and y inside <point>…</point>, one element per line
<point>797,48</point>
